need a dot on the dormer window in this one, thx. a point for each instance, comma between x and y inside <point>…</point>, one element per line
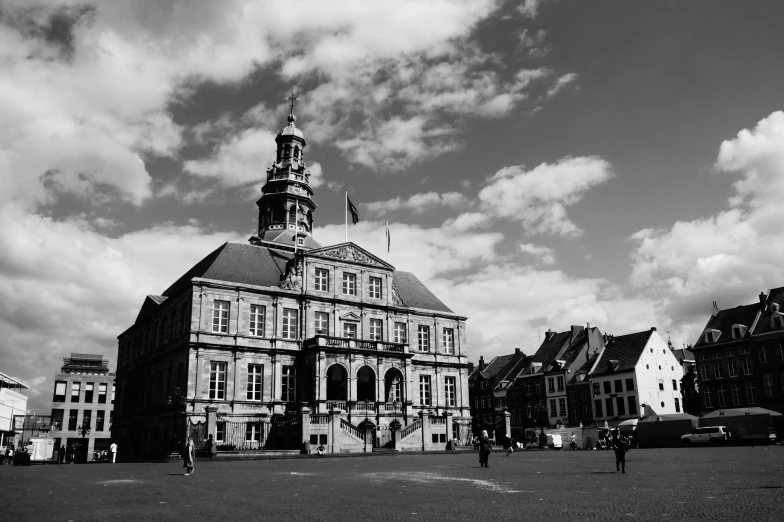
<point>711,336</point>
<point>777,321</point>
<point>738,331</point>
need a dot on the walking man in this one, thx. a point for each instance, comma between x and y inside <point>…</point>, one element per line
<point>188,457</point>
<point>113,449</point>
<point>620,447</point>
<point>485,447</point>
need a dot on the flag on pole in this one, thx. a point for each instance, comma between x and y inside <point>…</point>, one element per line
<point>353,210</point>
<point>389,238</point>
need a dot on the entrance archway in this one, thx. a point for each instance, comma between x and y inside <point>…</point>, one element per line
<point>337,380</point>
<point>366,384</point>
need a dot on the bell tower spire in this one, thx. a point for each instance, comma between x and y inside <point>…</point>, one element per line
<point>286,206</point>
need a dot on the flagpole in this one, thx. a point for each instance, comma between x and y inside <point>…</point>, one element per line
<point>388,241</point>
<point>345,215</point>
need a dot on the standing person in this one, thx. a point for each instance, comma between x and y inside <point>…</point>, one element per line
<point>573,442</point>
<point>188,457</point>
<point>619,446</point>
<point>113,449</point>
<point>485,447</point>
<point>208,446</point>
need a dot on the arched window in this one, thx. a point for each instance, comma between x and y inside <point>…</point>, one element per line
<point>336,383</point>
<point>279,214</point>
<point>366,384</point>
<point>393,386</point>
<point>293,214</point>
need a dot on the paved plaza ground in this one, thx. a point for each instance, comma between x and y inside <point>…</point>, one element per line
<point>734,483</point>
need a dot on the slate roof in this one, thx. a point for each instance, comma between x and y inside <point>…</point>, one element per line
<point>261,265</point>
<point>723,321</point>
<point>776,295</point>
<point>683,354</point>
<point>501,368</point>
<point>286,237</point>
<point>150,307</point>
<point>626,349</point>
<point>549,349</point>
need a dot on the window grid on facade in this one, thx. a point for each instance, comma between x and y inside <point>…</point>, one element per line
<point>374,288</point>
<point>747,367</point>
<point>607,387</point>
<point>763,354</point>
<point>99,420</point>
<point>217,380</point>
<point>257,313</point>
<point>289,323</point>
<point>288,384</point>
<point>732,368</point>
<point>76,388</point>
<point>322,280</point>
<point>450,389</point>
<point>632,405</point>
<point>562,407</point>
<point>560,383</point>
<point>220,431</point>
<point>751,393</point>
<point>620,403</point>
<point>608,402</point>
<point>72,416</point>
<point>704,372</point>
<point>619,386</point>
<point>400,332</point>
<point>737,399</point>
<point>59,391</point>
<point>89,389</point>
<point>597,404</point>
<point>707,397</point>
<point>448,340</point>
<point>551,384</point>
<point>322,323</point>
<point>102,393</point>
<point>721,395</point>
<point>349,283</point>
<point>87,419</point>
<point>718,370</point>
<point>349,329</point>
<point>376,328</point>
<point>253,434</point>
<point>424,338</point>
<point>767,384</point>
<point>220,317</point>
<point>255,375</point>
<point>424,390</point>
<point>553,406</point>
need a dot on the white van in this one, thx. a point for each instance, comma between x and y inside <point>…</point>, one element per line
<point>712,435</point>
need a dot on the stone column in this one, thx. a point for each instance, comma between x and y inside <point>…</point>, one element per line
<point>449,430</point>
<point>212,421</point>
<point>304,422</point>
<point>507,423</point>
<point>424,416</point>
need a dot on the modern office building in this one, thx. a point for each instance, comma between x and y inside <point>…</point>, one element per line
<point>13,402</point>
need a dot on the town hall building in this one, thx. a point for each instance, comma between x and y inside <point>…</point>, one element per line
<point>284,343</point>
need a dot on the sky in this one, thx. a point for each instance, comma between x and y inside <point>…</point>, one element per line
<point>541,163</point>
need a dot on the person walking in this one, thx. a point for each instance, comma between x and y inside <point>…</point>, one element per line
<point>485,447</point>
<point>113,449</point>
<point>188,457</point>
<point>620,447</point>
<point>509,443</point>
<point>573,442</point>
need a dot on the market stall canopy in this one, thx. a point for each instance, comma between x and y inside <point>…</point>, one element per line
<point>732,412</point>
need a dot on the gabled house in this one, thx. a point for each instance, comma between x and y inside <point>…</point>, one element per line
<point>487,390</point>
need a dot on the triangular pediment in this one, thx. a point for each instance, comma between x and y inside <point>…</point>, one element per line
<point>350,253</point>
<point>351,316</point>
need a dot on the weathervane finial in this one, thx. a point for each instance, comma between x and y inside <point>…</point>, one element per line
<point>292,98</point>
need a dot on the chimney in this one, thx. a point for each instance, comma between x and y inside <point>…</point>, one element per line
<point>576,329</point>
<point>714,309</point>
<point>481,363</point>
<point>548,335</point>
<point>653,328</point>
<point>587,326</point>
<point>762,298</point>
<point>518,351</point>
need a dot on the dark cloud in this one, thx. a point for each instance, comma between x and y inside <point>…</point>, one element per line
<point>53,27</point>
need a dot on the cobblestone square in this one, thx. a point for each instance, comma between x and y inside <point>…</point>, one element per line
<point>736,483</point>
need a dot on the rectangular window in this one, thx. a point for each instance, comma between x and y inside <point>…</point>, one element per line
<point>629,386</point>
<point>584,395</point>
<point>721,395</point>
<point>217,380</point>
<point>87,420</point>
<point>718,370</point>
<point>253,434</point>
<point>675,385</point>
<point>609,405</point>
<point>322,280</point>
<point>737,400</point>
<point>102,393</point>
<point>618,386</point>
<point>560,381</point>
<point>72,415</point>
<point>288,384</point>
<point>322,323</point>
<point>424,390</point>
<point>620,403</point>
<point>677,405</point>
<point>100,418</point>
<point>767,384</point>
<point>562,407</point>
<point>551,384</point>
<point>632,405</point>
<point>400,332</point>
<point>553,411</point>
<point>220,316</point>
<point>661,385</point>
<point>349,283</point>
<point>220,431</point>
<point>483,402</point>
<point>707,397</point>
<point>596,390</point>
<point>59,391</point>
<point>76,389</point>
<point>476,402</point>
<point>751,392</point>
<point>89,389</point>
<point>704,372</point>
<point>450,389</point>
<point>350,330</point>
<point>598,406</point>
<point>113,388</point>
<point>746,364</point>
<point>257,318</point>
<point>376,329</point>
<point>255,373</point>
<point>607,387</point>
<point>732,368</point>
<point>374,288</point>
<point>586,413</point>
<point>289,323</point>
<point>424,338</point>
<point>780,353</point>
<point>763,354</point>
<point>448,340</point>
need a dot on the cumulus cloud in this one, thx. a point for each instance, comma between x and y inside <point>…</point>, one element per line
<point>545,254</point>
<point>534,42</point>
<point>730,256</point>
<point>560,83</point>
<point>418,203</point>
<point>538,198</point>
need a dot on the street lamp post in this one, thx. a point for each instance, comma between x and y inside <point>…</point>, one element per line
<point>83,430</point>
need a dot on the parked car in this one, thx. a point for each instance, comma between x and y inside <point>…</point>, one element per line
<point>711,436</point>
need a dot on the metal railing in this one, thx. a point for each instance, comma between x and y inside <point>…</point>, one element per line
<point>350,428</point>
<point>358,344</point>
<point>410,429</point>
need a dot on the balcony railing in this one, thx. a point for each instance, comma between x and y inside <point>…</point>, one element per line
<point>357,344</point>
<point>364,407</point>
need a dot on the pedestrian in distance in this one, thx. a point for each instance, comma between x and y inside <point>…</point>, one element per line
<point>113,449</point>
<point>573,442</point>
<point>509,444</point>
<point>620,448</point>
<point>208,446</point>
<point>188,456</point>
<point>485,447</point>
